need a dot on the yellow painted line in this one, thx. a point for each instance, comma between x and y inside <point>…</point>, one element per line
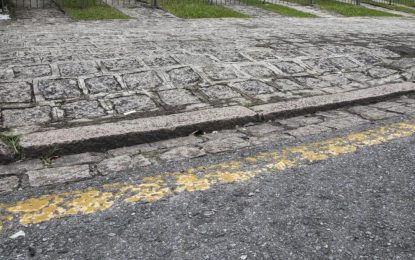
<point>150,189</point>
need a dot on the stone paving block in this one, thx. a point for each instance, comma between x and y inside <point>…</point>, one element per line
<point>18,168</point>
<point>52,89</point>
<point>215,72</point>
<point>298,121</point>
<point>258,71</point>
<point>145,80</point>
<point>288,67</point>
<point>6,74</point>
<point>308,130</point>
<point>6,154</point>
<point>313,83</point>
<point>77,159</point>
<point>184,77</point>
<point>59,175</point>
<point>194,59</point>
<point>404,63</point>
<point>380,72</point>
<point>182,152</point>
<point>230,56</point>
<point>225,144</point>
<point>121,64</point>
<point>57,58</point>
<point>261,130</point>
<point>27,116</point>
<point>78,68</point>
<point>261,54</point>
<point>371,113</point>
<point>220,92</point>
<point>19,92</point>
<point>30,72</point>
<point>287,85</point>
<point>367,59</point>
<point>83,109</point>
<point>102,84</point>
<point>178,97</point>
<point>321,65</point>
<point>137,103</point>
<point>121,163</point>
<point>346,122</point>
<point>160,61</point>
<point>343,63</point>
<point>8,184</point>
<point>254,87</point>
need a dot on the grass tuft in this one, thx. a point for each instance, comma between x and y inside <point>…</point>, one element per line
<point>193,9</point>
<point>349,9</point>
<point>93,10</point>
<point>13,141</point>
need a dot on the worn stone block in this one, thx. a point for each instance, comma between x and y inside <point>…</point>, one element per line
<point>161,61</point>
<point>182,152</point>
<point>137,103</point>
<point>51,176</point>
<point>77,159</point>
<point>78,69</point>
<point>18,92</point>
<point>59,88</point>
<point>261,130</point>
<point>6,154</point>
<point>83,109</point>
<point>288,67</point>
<point>371,113</point>
<point>225,144</point>
<point>143,80</point>
<point>121,64</point>
<point>254,87</point>
<point>27,116</point>
<point>102,84</point>
<point>308,130</point>
<point>8,184</point>
<point>34,71</point>
<point>121,163</point>
<point>215,72</point>
<point>183,77</point>
<point>258,71</point>
<point>220,92</point>
<point>178,97</point>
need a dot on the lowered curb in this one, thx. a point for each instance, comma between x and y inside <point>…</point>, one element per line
<point>144,130</point>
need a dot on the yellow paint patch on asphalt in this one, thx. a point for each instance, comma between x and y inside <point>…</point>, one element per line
<point>154,188</point>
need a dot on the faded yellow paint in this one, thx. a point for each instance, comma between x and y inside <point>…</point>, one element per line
<point>151,189</point>
<point>190,182</point>
<point>154,188</point>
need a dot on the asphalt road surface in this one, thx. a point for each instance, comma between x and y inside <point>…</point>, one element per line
<point>358,204</point>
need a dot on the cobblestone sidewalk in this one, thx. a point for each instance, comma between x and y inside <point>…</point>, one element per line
<point>54,75</point>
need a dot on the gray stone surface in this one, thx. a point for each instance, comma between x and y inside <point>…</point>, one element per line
<point>225,144</point>
<point>8,184</point>
<point>76,159</point>
<point>102,84</point>
<point>83,109</point>
<point>143,80</point>
<point>32,71</point>
<point>103,61</point>
<point>139,103</point>
<point>142,126</point>
<point>78,69</point>
<point>182,152</point>
<point>121,163</point>
<point>59,89</point>
<point>51,176</point>
<point>27,116</point>
<point>19,92</point>
<point>6,153</point>
<point>178,97</point>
